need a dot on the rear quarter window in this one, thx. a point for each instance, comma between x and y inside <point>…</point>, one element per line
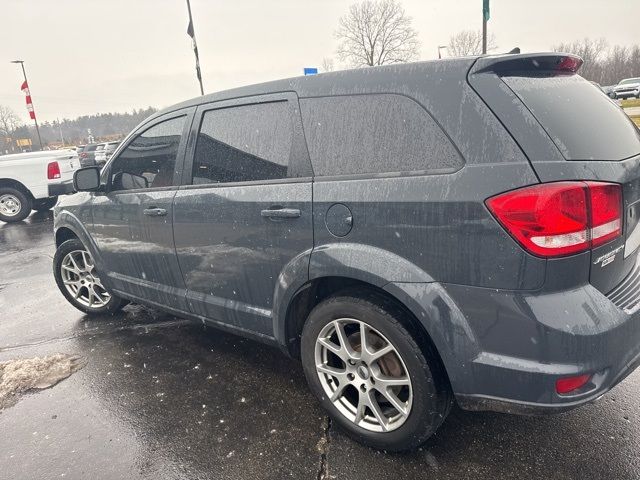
<point>375,133</point>
<point>583,122</point>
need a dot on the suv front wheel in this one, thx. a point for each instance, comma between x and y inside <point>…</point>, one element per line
<point>370,374</point>
<point>78,280</point>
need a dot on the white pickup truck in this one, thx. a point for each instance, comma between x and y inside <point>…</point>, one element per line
<point>33,181</point>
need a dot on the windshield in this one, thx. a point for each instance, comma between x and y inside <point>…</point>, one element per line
<point>583,123</point>
<point>629,80</point>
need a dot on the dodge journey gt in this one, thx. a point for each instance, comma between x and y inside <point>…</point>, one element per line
<point>464,231</point>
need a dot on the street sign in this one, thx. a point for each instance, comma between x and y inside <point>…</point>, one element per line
<point>310,70</point>
<point>485,10</point>
<point>23,142</point>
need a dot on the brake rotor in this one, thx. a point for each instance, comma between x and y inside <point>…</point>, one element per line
<point>389,364</point>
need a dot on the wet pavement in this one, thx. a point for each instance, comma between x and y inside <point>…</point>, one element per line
<point>163,398</point>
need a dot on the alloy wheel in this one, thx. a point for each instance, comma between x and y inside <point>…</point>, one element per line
<point>363,375</point>
<point>81,281</point>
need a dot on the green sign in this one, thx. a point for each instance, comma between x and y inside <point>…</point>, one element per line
<point>485,10</point>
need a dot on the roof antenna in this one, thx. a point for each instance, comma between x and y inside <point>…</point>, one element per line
<point>515,51</point>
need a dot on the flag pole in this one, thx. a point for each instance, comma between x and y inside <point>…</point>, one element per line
<point>24,73</point>
<point>192,33</point>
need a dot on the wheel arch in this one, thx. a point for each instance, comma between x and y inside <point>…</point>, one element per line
<point>63,234</point>
<point>330,268</point>
<point>318,289</point>
<point>68,226</point>
<point>11,183</point>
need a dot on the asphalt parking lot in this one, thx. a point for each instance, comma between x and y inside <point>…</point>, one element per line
<point>162,398</point>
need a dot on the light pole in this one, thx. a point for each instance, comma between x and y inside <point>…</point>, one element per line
<point>21,62</point>
<point>440,47</point>
<point>60,129</point>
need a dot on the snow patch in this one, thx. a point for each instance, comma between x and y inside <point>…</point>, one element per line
<point>21,375</point>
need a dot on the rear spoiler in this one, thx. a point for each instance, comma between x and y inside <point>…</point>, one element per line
<point>531,62</point>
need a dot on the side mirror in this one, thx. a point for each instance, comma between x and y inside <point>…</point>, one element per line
<point>129,181</point>
<point>86,179</point>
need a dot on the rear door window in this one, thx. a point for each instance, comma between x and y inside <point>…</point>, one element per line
<point>245,143</point>
<point>377,133</point>
<point>582,122</point>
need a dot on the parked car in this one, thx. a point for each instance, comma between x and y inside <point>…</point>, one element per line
<point>88,155</point>
<point>608,90</point>
<point>33,181</point>
<point>629,87</point>
<point>105,153</point>
<point>99,155</point>
<point>412,249</point>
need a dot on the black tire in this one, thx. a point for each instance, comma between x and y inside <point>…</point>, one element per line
<point>432,397</point>
<point>44,204</point>
<point>114,303</point>
<point>16,197</point>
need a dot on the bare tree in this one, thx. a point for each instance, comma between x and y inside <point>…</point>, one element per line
<point>9,122</point>
<point>616,65</point>
<point>591,51</point>
<point>376,33</point>
<point>469,42</point>
<point>327,64</point>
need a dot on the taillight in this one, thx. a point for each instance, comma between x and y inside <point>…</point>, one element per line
<point>53,170</point>
<point>606,212</point>
<point>83,155</point>
<point>563,218</point>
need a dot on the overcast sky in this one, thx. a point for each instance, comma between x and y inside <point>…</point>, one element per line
<point>89,56</point>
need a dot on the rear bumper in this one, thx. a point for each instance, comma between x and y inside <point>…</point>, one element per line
<point>482,402</point>
<point>505,350</point>
<point>57,189</point>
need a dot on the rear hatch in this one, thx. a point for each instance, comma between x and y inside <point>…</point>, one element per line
<point>570,130</point>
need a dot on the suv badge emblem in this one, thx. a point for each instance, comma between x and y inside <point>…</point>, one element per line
<point>607,258</point>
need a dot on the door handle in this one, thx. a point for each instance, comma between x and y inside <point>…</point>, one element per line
<point>280,213</point>
<point>154,212</point>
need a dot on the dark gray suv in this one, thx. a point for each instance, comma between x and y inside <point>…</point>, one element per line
<point>463,230</point>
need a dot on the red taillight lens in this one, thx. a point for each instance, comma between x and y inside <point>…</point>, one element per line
<point>606,212</point>
<point>562,218</point>
<point>569,64</point>
<point>571,384</point>
<point>83,155</point>
<point>53,170</point>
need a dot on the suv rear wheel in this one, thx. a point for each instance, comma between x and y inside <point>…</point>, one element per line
<point>14,205</point>
<point>370,375</point>
<point>77,279</point>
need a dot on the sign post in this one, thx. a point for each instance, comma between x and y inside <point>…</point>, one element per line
<point>485,18</point>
